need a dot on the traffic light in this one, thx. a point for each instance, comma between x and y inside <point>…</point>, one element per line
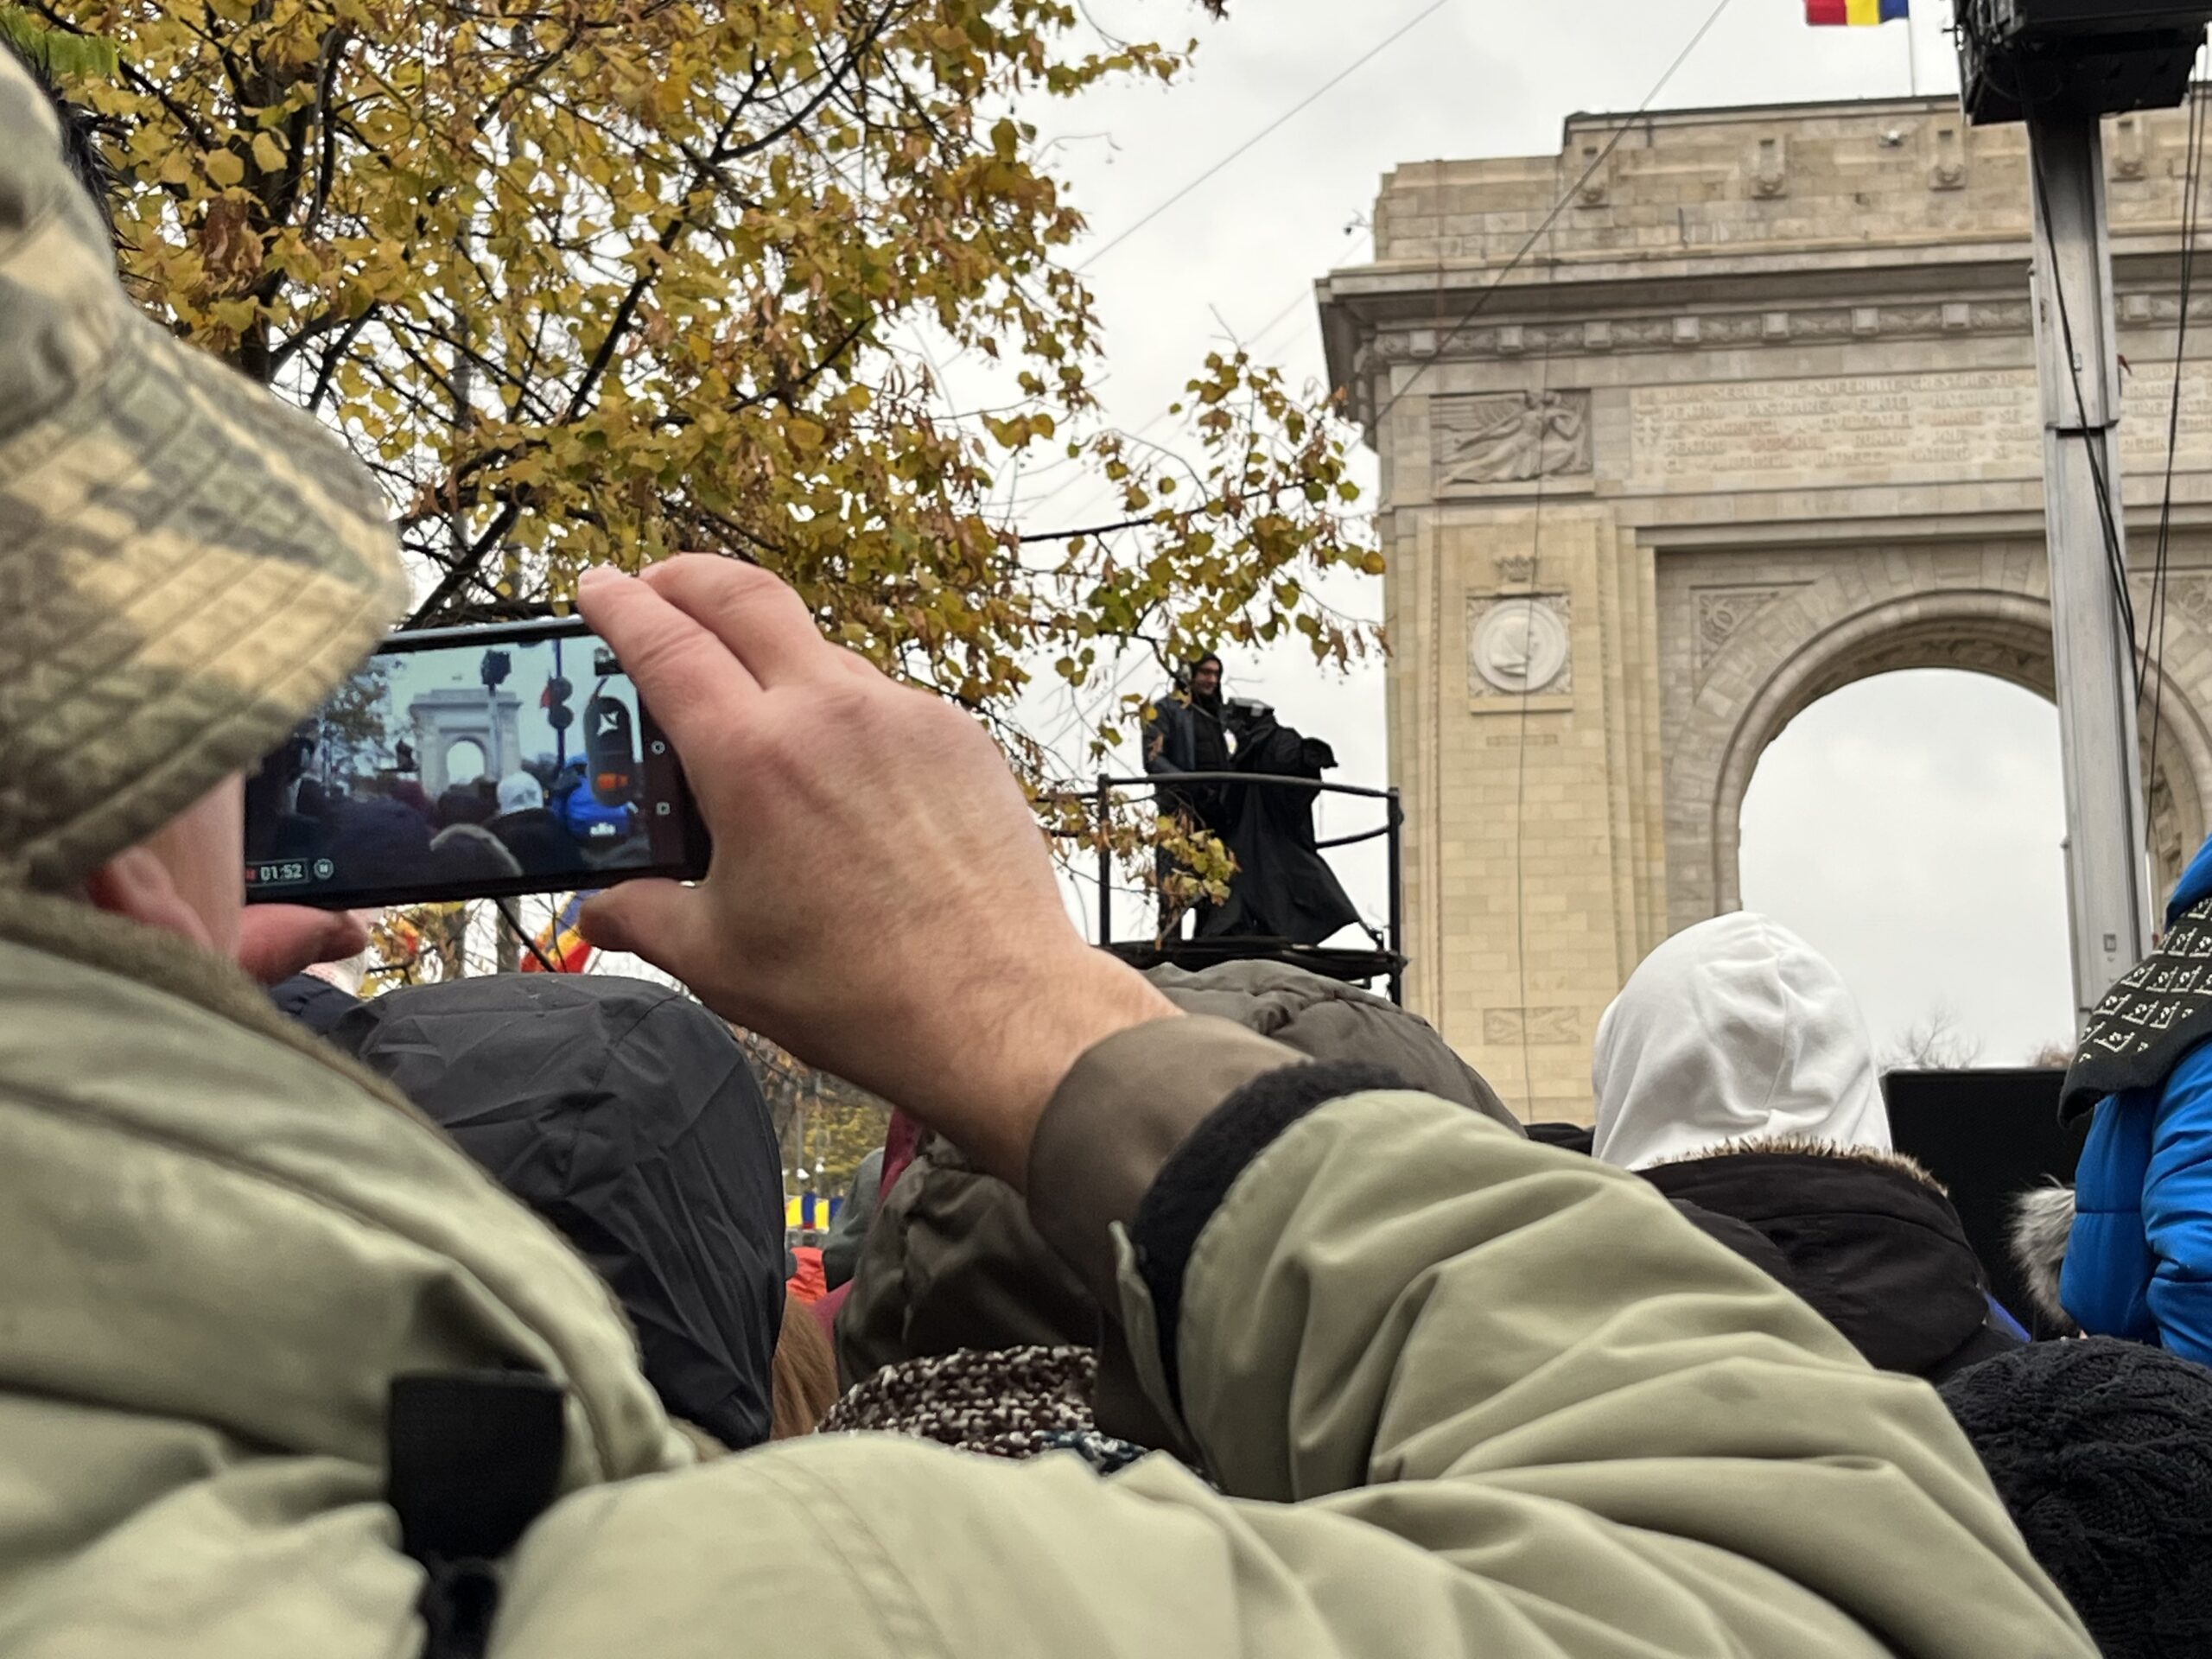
<point>612,750</point>
<point>555,703</point>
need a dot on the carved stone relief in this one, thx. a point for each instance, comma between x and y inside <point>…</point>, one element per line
<point>1723,612</point>
<point>1945,146</point>
<point>1534,1025</point>
<point>2190,594</point>
<point>1510,438</point>
<point>1731,328</point>
<point>1520,645</point>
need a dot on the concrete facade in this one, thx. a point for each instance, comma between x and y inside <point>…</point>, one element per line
<point>1753,418</point>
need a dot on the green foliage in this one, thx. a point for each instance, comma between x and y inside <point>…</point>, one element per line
<point>57,53</point>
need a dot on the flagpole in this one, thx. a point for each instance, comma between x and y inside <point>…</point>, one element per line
<point>1911,54</point>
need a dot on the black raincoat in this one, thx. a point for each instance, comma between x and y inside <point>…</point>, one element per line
<point>625,1114</point>
<point>1283,889</point>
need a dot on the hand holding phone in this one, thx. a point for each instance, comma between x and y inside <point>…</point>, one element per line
<point>881,901</point>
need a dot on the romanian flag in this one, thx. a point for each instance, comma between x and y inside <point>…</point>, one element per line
<point>562,943</point>
<point>1857,13</point>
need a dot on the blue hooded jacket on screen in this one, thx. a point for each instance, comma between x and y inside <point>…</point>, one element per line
<point>2138,1263</point>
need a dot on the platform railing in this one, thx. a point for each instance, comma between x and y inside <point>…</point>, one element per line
<point>1386,961</point>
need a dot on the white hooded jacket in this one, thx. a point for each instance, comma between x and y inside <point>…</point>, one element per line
<point>1733,1028</point>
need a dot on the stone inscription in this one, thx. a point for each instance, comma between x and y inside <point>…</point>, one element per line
<point>1537,1026</point>
<point>1889,427</point>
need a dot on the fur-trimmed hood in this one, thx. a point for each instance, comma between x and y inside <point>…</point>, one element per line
<point>1813,1146</point>
<point>1871,1239</point>
<point>2042,1221</point>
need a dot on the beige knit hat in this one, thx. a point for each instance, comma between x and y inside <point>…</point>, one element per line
<point>187,567</point>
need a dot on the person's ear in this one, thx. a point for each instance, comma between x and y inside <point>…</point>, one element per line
<point>136,884</point>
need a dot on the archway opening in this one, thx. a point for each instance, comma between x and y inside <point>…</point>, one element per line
<point>465,761</point>
<point>1911,826</point>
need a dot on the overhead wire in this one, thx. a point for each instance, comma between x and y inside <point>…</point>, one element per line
<point>1537,519</point>
<point>1268,130</point>
<point>1489,291</point>
<point>2160,568</point>
<point>1521,745</point>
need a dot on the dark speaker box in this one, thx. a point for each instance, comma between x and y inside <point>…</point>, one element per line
<point>1987,1135</point>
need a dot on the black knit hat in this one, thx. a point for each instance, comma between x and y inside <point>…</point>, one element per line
<point>2102,1450</point>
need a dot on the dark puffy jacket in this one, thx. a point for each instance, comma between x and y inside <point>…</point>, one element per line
<point>840,1250</point>
<point>951,1261</point>
<point>1871,1241</point>
<point>541,844</point>
<point>626,1114</point>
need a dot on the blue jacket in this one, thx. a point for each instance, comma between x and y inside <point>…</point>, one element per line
<point>2138,1263</point>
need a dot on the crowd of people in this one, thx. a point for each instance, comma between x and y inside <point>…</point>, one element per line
<point>1189,1314</point>
<point>543,820</point>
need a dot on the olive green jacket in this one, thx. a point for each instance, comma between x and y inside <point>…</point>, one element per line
<point>1471,1396</point>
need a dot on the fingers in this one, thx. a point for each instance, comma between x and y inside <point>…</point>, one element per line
<point>651,918</point>
<point>765,624</point>
<point>684,673</point>
<point>276,941</point>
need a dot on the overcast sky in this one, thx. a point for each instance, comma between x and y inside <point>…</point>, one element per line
<point>1909,826</point>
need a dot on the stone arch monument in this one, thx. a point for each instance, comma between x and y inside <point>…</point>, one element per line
<point>443,720</point>
<point>1755,418</point>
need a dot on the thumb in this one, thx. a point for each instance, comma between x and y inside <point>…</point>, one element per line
<point>652,918</point>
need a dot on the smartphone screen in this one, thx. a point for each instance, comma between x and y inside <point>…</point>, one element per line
<point>466,763</point>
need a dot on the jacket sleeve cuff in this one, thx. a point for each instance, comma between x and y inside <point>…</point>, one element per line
<point>1118,1117</point>
<point>1182,1200</point>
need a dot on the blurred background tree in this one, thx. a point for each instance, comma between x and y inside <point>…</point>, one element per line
<point>824,1125</point>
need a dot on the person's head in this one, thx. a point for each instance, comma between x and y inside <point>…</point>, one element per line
<point>468,852</point>
<point>1733,1030</point>
<point>520,792</point>
<point>2102,1451</point>
<point>1205,676</point>
<point>462,803</point>
<point>190,568</point>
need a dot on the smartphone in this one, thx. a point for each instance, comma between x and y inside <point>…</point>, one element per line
<point>472,763</point>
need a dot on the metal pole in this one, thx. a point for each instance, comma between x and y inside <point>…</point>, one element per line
<point>1396,843</point>
<point>561,737</point>
<point>2077,360</point>
<point>1105,863</point>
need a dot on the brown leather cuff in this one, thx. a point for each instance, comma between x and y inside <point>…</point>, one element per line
<point>1118,1116</point>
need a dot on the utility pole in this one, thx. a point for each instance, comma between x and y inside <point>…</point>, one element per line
<point>2077,358</point>
<point>2062,65</point>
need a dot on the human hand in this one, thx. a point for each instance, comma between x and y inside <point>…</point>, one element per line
<point>880,901</point>
<point>276,941</point>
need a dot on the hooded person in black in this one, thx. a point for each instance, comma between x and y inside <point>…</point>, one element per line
<point>624,1114</point>
<point>1283,889</point>
<point>539,841</point>
<point>1734,1073</point>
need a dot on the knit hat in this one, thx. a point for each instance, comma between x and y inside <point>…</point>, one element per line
<point>187,567</point>
<point>2102,1450</point>
<point>1016,1403</point>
